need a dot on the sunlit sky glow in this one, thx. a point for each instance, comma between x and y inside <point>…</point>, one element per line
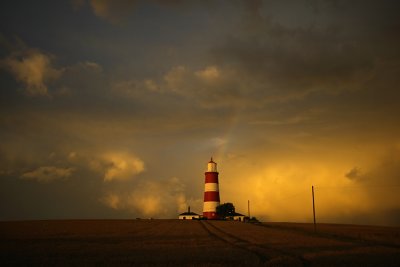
<point>112,109</point>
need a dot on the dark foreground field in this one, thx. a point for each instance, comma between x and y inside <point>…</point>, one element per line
<point>195,243</point>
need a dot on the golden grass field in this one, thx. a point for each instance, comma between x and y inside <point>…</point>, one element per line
<point>195,243</point>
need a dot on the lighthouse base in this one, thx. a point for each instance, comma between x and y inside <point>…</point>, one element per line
<point>210,215</point>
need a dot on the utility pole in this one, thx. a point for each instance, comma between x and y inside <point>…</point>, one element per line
<point>248,208</point>
<point>313,208</point>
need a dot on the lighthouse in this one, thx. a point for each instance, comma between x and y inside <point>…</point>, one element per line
<point>211,191</point>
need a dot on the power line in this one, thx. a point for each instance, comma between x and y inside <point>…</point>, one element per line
<point>359,186</point>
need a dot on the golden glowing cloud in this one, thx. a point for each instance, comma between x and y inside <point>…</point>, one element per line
<point>120,166</point>
<point>209,74</point>
<point>150,198</point>
<point>111,200</point>
<point>32,68</point>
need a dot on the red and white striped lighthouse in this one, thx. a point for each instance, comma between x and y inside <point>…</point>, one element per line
<point>211,191</point>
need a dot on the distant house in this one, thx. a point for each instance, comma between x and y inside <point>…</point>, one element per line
<point>189,215</point>
<point>236,217</point>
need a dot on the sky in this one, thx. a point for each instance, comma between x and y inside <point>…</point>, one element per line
<point>112,109</point>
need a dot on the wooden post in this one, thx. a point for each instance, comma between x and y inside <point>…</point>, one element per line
<point>313,207</point>
<point>248,208</point>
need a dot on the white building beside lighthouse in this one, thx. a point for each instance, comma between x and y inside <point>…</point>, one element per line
<point>188,215</point>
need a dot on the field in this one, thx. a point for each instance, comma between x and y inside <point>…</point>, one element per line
<point>195,243</point>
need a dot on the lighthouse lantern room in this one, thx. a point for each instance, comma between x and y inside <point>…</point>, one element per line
<point>211,191</point>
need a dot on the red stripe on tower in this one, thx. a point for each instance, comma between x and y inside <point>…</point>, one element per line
<point>211,191</point>
<point>211,196</point>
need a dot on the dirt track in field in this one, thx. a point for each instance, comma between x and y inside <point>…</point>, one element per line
<point>195,243</point>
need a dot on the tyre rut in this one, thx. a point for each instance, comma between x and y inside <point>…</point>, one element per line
<point>264,253</point>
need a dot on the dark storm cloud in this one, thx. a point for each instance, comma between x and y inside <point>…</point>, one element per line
<point>297,64</point>
<point>353,174</point>
<point>114,11</point>
<point>47,174</point>
<point>119,11</point>
<point>297,59</point>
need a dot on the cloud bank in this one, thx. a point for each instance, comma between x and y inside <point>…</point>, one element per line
<point>150,198</point>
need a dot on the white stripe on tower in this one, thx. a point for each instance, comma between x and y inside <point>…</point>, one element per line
<point>211,187</point>
<point>210,206</point>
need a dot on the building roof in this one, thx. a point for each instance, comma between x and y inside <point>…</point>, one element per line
<point>237,214</point>
<point>188,213</point>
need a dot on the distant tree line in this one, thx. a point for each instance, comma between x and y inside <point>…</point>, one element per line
<point>226,210</point>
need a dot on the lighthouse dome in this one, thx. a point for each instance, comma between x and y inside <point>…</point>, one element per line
<point>211,166</point>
